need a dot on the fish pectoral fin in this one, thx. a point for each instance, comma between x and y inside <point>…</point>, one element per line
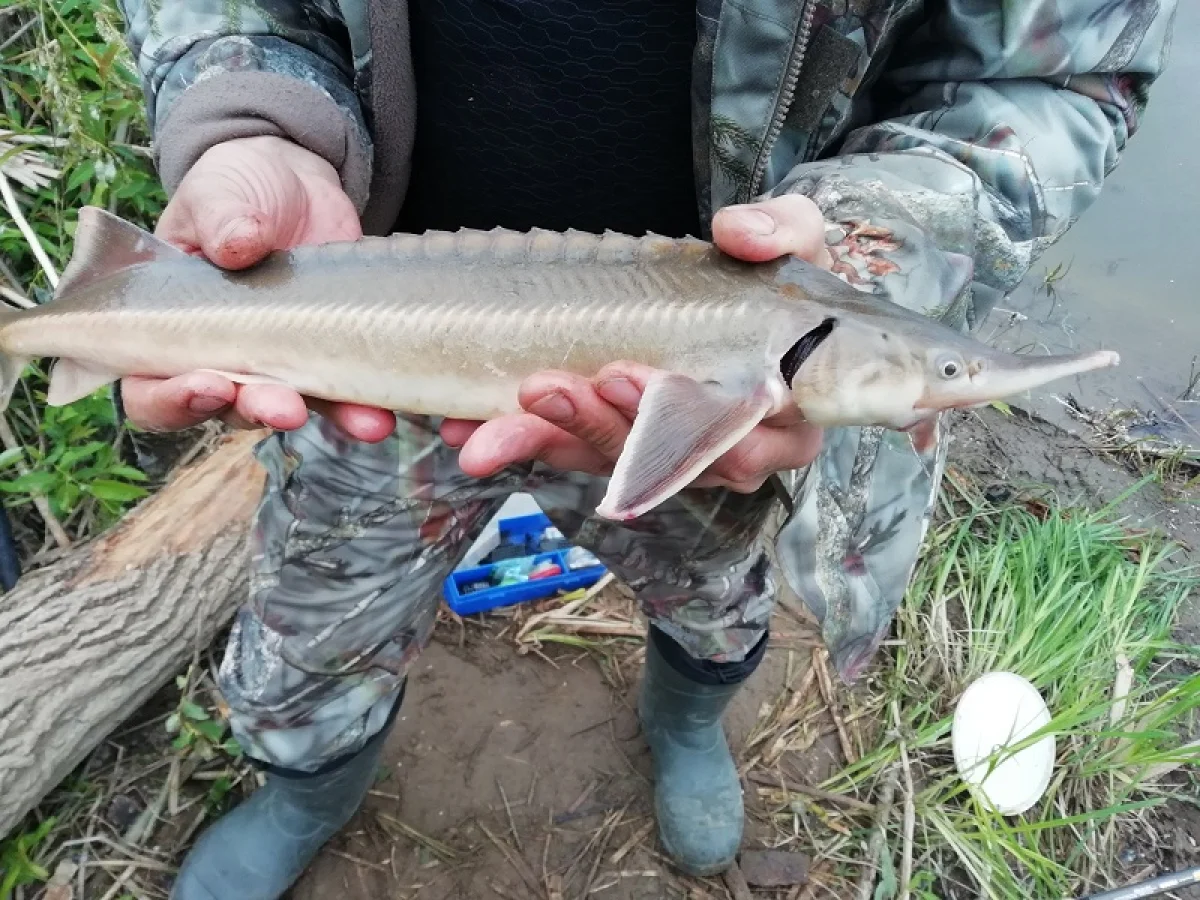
<point>924,435</point>
<point>682,427</point>
<point>71,380</point>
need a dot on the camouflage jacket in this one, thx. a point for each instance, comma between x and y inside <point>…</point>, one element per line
<point>927,131</point>
<point>980,127</point>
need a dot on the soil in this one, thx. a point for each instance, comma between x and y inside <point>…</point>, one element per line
<point>565,745</point>
<point>528,766</point>
<point>1023,453</point>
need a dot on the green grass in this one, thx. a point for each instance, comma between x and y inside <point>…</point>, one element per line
<point>17,867</point>
<point>1067,600</point>
<point>1058,600</point>
<point>72,133</point>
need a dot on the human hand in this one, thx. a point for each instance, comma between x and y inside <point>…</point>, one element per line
<point>576,424</point>
<point>242,200</point>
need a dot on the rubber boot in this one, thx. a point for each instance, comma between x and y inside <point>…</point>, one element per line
<point>259,849</point>
<point>697,792</point>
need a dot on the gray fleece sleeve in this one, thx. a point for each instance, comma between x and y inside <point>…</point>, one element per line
<point>216,70</point>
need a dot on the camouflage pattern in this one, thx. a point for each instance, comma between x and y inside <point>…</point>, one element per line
<point>983,129</point>
<point>970,127</point>
<point>351,543</point>
<point>180,44</point>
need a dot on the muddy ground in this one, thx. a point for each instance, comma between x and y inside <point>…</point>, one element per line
<point>563,744</point>
<point>524,775</point>
<point>566,750</point>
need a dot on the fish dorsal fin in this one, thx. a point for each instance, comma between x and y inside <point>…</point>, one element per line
<point>505,246</point>
<point>106,244</point>
<point>682,426</point>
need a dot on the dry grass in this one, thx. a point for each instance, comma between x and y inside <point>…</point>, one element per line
<point>1164,446</point>
<point>1083,608</point>
<point>113,828</point>
<point>891,822</point>
<point>887,814</point>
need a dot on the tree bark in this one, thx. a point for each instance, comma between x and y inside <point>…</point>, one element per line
<point>87,639</point>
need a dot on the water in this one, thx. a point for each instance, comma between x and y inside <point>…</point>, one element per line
<point>1131,284</point>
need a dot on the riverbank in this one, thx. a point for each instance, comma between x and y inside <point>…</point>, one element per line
<point>517,768</point>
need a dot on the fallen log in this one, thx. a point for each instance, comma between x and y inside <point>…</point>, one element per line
<point>86,640</point>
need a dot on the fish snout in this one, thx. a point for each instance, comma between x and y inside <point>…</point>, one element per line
<point>994,376</point>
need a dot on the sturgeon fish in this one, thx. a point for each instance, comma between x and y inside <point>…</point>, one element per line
<point>450,323</point>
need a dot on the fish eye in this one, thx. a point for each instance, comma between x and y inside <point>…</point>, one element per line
<point>950,366</point>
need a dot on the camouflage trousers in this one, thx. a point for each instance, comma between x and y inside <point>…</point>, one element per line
<point>352,541</point>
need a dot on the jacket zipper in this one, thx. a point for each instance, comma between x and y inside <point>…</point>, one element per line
<point>795,62</point>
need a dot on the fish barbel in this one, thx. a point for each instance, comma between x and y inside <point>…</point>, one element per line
<point>450,323</point>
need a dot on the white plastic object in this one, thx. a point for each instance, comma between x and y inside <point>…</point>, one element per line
<point>995,712</point>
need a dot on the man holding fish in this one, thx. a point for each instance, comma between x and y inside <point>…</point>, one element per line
<point>925,152</point>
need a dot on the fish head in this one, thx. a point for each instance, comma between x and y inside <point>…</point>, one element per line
<point>845,372</point>
<point>973,374</point>
<point>851,358</point>
<point>901,375</point>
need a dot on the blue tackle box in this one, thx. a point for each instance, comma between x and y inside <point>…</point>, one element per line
<point>520,537</point>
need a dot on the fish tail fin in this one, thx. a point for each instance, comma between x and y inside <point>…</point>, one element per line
<point>11,368</point>
<point>11,364</point>
<point>105,245</point>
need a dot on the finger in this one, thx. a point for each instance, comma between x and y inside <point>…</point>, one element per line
<point>273,405</point>
<point>621,384</point>
<point>365,423</point>
<point>234,419</point>
<point>455,432</point>
<point>768,229</point>
<point>248,197</point>
<point>176,403</point>
<point>765,451</point>
<point>789,416</point>
<point>524,438</point>
<point>213,215</point>
<point>572,403</point>
<point>331,217</point>
<point>229,231</point>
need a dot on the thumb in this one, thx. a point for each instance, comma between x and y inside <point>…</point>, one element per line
<point>215,218</point>
<point>766,230</point>
<point>235,205</point>
<point>234,234</point>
